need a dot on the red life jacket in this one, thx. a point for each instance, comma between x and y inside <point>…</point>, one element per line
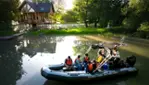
<point>90,67</point>
<point>86,59</point>
<point>68,61</point>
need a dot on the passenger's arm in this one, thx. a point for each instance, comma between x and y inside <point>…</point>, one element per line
<point>118,54</point>
<point>65,62</point>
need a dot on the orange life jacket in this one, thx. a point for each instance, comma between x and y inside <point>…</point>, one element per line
<point>90,67</point>
<point>86,59</point>
<point>68,61</point>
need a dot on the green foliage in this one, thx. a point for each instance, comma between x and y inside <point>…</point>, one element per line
<point>100,11</point>
<point>7,33</point>
<point>130,14</point>
<point>144,27</point>
<point>82,9</point>
<point>70,31</point>
<point>41,1</point>
<point>56,17</point>
<point>137,13</point>
<point>69,16</point>
<point>82,46</point>
<point>8,12</point>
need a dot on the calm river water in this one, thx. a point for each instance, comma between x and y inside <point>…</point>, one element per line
<point>21,59</point>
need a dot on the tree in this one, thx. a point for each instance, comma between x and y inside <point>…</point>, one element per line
<point>10,63</point>
<point>8,12</point>
<point>41,1</point>
<point>81,6</point>
<point>99,11</point>
<point>69,16</point>
<point>137,13</point>
<point>56,17</point>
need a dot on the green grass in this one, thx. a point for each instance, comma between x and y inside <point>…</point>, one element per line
<point>72,31</point>
<point>6,29</point>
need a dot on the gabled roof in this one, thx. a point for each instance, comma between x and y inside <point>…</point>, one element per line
<point>38,7</point>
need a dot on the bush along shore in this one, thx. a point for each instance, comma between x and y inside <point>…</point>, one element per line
<point>115,31</point>
<point>72,31</point>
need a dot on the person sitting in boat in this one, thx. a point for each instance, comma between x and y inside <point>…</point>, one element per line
<point>115,61</point>
<point>94,64</point>
<point>101,56</point>
<point>68,63</point>
<point>78,63</point>
<point>89,67</point>
<point>86,60</point>
<point>115,52</point>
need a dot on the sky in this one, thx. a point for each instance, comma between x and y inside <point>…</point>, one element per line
<point>68,4</point>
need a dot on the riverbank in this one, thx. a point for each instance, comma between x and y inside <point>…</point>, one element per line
<point>69,31</point>
<point>73,31</point>
<point>7,33</point>
<point>10,36</point>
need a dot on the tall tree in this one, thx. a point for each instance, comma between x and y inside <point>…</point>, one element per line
<point>99,11</point>
<point>8,12</point>
<point>69,16</point>
<point>42,1</point>
<point>82,7</point>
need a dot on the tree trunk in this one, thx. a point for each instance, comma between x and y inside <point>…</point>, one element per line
<point>86,15</point>
<point>86,24</point>
<point>95,24</point>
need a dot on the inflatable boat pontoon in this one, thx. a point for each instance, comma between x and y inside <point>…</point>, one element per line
<point>55,72</point>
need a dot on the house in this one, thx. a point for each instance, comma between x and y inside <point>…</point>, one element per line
<point>35,13</point>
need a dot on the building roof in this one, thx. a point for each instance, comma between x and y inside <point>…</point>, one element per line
<point>38,7</point>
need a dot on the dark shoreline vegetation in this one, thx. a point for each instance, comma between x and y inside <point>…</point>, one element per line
<point>68,31</point>
<point>73,31</point>
<point>116,31</point>
<point>7,33</point>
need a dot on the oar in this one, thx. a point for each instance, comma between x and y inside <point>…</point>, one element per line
<point>103,62</point>
<point>88,49</point>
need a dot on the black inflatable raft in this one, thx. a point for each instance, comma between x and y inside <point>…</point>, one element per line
<point>55,72</point>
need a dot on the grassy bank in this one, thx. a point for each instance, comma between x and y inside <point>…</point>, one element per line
<point>6,33</point>
<point>6,29</point>
<point>72,31</point>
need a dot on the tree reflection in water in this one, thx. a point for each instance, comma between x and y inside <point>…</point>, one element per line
<point>44,44</point>
<point>82,46</point>
<point>11,53</point>
<point>10,63</point>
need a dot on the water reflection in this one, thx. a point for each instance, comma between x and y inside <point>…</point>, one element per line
<point>44,50</point>
<point>31,45</point>
<point>10,63</point>
<point>81,47</point>
<point>21,59</point>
